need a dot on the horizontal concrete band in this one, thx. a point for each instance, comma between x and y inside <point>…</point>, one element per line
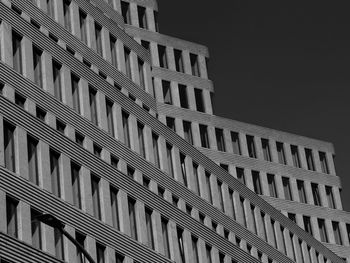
<point>309,210</point>
<point>62,56</point>
<point>167,40</point>
<point>342,251</point>
<point>57,141</point>
<point>47,102</point>
<point>247,128</point>
<point>44,201</point>
<point>153,4</point>
<point>182,78</point>
<point>14,250</point>
<point>271,167</point>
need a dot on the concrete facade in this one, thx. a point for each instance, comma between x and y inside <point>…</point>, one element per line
<point>138,173</point>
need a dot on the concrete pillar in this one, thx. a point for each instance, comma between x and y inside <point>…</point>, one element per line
<point>66,180</point>
<point>123,211</point>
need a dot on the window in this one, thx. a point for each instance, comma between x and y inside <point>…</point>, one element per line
<point>316,194</point>
<point>146,45</point>
<point>167,92</point>
<point>32,160</point>
<point>35,229</point>
<point>195,250</point>
<point>75,173</point>
<point>114,161</point>
<point>221,197</point>
<point>114,207</point>
<point>207,180</point>
<point>169,155</point>
<point>50,8</point>
<point>66,14</point>
<point>132,218</point>
<point>40,114</point>
<point>204,135</point>
<point>19,100</point>
<point>280,153</point>
<point>235,143</point>
<point>251,210</point>
<point>165,237</point>
<point>220,139</point>
<point>183,96</point>
<point>301,191</point>
<point>330,197</point>
<point>126,12</point>
<point>179,65</point>
<point>256,182</point>
<point>130,171</point>
<point>11,217</point>
<point>75,93</point>
<point>251,146</point>
<point>286,188</point>
<point>194,64</point>
<point>337,234</point>
<point>183,168</point>
<point>17,52</point>
<point>37,66</point>
<point>272,185</point>
<point>79,139</point>
<point>97,150</point>
<point>295,156</point>
<point>141,139</point>
<point>188,131</point>
<point>95,191</point>
<point>83,25</point>
<point>98,35</point>
<point>208,253</point>
<point>141,11</point>
<point>156,20</point>
<point>322,228</point>
<point>93,105</point>
<point>100,253</point>
<point>324,164</point>
<point>119,258</point>
<point>141,73</point>
<point>59,248</point>
<point>170,122</point>
<point>114,56</point>
<point>155,149</point>
<point>57,85</point>
<point>127,62</point>
<point>198,94</point>
<point>240,175</point>
<point>163,61</point>
<point>307,224</point>
<point>55,173</point>
<point>125,121</point>
<point>110,119</point>
<point>292,217</point>
<point>80,238</point>
<point>181,244</point>
<point>309,159</point>
<point>266,149</point>
<point>149,228</point>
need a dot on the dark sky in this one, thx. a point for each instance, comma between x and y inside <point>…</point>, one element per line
<point>279,64</point>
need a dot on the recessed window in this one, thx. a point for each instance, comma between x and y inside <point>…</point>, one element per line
<point>98,35</point>
<point>301,191</point>
<point>37,66</point>
<point>266,149</point>
<point>280,153</point>
<point>307,224</point>
<point>57,84</point>
<point>163,61</point>
<point>324,164</point>
<point>295,156</point>
<point>272,185</point>
<point>179,65</point>
<point>114,207</point>
<point>110,117</point>
<point>183,168</point>
<point>141,11</point>
<point>126,12</point>
<point>235,143</point>
<point>17,51</point>
<point>322,228</point>
<point>60,126</point>
<point>141,139</point>
<point>203,131</point>
<point>221,197</point>
<point>145,44</point>
<point>9,147</point>
<point>208,253</point>
<point>220,139</point>
<point>83,26</point>
<point>127,54</point>
<point>183,96</point>
<point>66,14</point>
<point>11,217</point>
<point>256,182</point>
<point>286,188</point>
<point>240,174</point>
<point>188,131</point>
<point>194,65</point>
<point>50,8</point>
<point>113,45</point>
<point>97,150</point>
<point>35,229</point>
<point>40,114</point>
<point>75,174</point>
<point>166,92</point>
<point>165,237</point>
<point>195,249</point>
<point>196,179</point>
<point>132,218</point>
<point>198,94</point>
<point>169,155</point>
<point>251,146</point>
<point>100,253</point>
<point>79,139</point>
<point>330,197</point>
<point>181,244</point>
<point>75,93</point>
<point>309,159</point>
<point>170,122</point>
<point>316,194</point>
<point>155,13</point>
<point>55,173</point>
<point>80,238</point>
<point>208,185</point>
<point>149,228</point>
<point>155,149</point>
<point>32,145</point>
<point>125,122</point>
<point>95,191</point>
<point>59,247</point>
<point>141,73</point>
<point>20,100</point>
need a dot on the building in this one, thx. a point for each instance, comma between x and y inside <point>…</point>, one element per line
<point>107,125</point>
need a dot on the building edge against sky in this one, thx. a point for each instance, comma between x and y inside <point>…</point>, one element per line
<point>108,125</point>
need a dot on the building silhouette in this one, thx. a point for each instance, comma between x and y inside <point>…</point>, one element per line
<point>108,125</point>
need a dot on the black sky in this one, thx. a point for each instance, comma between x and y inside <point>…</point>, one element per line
<point>279,64</point>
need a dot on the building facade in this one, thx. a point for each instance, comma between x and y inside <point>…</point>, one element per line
<point>108,125</point>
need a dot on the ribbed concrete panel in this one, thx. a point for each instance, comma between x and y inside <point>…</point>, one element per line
<point>66,58</point>
<point>16,251</point>
<point>186,148</point>
<point>107,10</point>
<point>153,4</point>
<point>238,126</point>
<point>167,40</point>
<point>271,167</point>
<point>309,210</point>
<point>339,250</point>
<point>182,78</point>
<point>62,144</point>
